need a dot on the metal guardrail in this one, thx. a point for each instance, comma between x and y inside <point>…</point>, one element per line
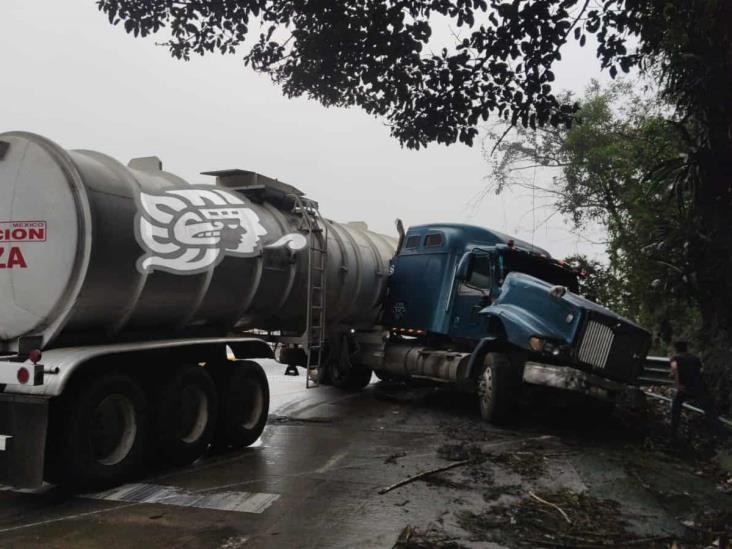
<point>687,406</point>
<point>656,371</point>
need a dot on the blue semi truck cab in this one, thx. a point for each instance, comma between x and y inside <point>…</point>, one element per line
<point>487,313</point>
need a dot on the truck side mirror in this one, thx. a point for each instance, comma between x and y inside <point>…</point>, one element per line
<point>465,267</point>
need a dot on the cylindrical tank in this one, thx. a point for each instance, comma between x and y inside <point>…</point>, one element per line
<point>93,251</point>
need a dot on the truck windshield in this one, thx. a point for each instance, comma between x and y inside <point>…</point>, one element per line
<point>479,282</point>
<point>540,268</point>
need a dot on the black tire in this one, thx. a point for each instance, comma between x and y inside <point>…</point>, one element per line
<point>498,387</point>
<point>186,408</point>
<point>343,373</point>
<point>354,379</point>
<point>99,436</point>
<point>384,376</point>
<point>244,405</point>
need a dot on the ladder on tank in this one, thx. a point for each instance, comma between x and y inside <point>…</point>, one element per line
<point>315,316</point>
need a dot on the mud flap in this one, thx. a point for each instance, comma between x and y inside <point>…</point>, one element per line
<point>23,425</point>
<point>475,363</point>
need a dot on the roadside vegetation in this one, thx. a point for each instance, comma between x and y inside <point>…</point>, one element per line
<point>610,169</point>
<point>383,58</point>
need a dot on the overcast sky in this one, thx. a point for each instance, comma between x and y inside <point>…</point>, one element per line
<point>70,76</point>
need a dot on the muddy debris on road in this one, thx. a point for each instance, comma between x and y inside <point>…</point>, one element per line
<point>559,478</point>
<point>562,519</point>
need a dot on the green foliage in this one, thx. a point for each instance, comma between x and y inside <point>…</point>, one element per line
<point>598,283</point>
<point>607,173</point>
<point>378,55</point>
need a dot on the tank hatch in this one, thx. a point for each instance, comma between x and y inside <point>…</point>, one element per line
<point>256,186</point>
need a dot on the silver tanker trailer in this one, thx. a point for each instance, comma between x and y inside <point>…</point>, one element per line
<point>125,292</point>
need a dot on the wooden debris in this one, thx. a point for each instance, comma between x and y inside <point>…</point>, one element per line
<point>550,504</point>
<point>423,474</point>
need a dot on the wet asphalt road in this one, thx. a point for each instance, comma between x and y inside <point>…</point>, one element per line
<point>321,456</point>
<point>313,479</point>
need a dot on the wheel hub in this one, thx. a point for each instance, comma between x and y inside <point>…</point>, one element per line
<point>252,400</point>
<point>193,414</point>
<point>113,429</point>
<point>486,383</point>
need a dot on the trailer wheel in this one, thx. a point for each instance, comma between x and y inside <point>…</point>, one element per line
<point>343,373</point>
<point>244,408</point>
<point>185,416</point>
<point>497,387</point>
<point>385,376</point>
<point>102,435</point>
<point>355,379</point>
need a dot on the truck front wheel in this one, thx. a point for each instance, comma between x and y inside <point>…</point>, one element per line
<point>185,419</point>
<point>497,387</point>
<point>102,433</point>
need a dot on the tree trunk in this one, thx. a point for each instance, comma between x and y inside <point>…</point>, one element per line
<point>712,254</point>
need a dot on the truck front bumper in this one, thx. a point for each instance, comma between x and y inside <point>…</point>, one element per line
<point>563,377</point>
<point>23,425</point>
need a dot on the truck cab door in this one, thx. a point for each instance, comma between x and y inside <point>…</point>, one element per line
<point>471,293</point>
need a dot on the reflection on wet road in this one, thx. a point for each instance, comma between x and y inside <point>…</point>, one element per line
<point>313,479</point>
<point>309,482</point>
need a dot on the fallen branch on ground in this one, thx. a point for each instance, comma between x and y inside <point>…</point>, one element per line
<point>423,474</point>
<point>550,504</point>
<point>594,544</point>
<point>290,419</point>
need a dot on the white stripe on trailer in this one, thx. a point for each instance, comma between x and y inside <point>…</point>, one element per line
<point>240,502</point>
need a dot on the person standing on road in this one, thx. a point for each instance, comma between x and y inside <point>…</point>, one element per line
<point>686,370</point>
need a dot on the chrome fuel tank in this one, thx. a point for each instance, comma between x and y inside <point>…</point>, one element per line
<point>94,251</point>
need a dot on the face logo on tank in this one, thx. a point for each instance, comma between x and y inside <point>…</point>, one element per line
<point>190,230</point>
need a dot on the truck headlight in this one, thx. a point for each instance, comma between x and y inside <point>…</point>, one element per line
<point>536,343</point>
<point>540,345</point>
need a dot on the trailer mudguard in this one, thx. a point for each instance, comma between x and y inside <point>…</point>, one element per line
<point>23,424</point>
<point>62,363</point>
<point>477,357</point>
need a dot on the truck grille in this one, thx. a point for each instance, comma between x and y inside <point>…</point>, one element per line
<point>596,344</point>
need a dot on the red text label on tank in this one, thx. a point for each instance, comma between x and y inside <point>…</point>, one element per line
<point>22,231</point>
<point>14,232</point>
<point>12,258</point>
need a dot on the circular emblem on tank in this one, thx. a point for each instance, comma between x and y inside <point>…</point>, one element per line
<point>190,230</point>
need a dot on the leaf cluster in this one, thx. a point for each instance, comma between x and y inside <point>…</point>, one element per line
<point>613,167</point>
<point>376,54</point>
